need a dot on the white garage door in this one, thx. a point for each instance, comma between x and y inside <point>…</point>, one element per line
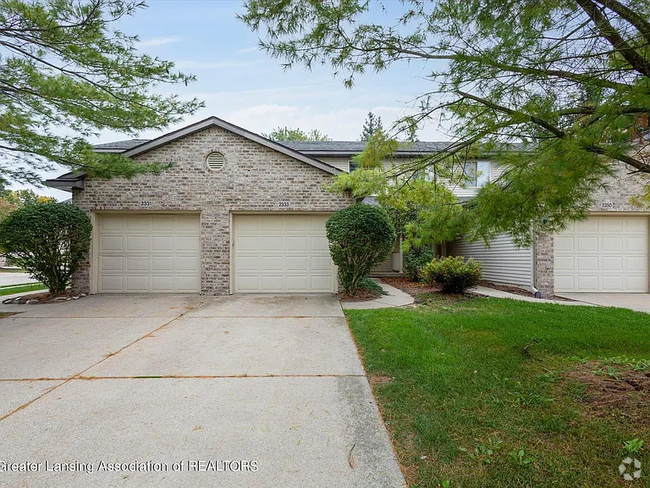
<point>603,254</point>
<point>148,253</point>
<point>282,254</point>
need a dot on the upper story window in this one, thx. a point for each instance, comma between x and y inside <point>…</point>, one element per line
<point>215,161</point>
<point>477,173</point>
<point>352,166</point>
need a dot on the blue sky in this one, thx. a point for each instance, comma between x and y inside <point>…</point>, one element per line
<point>243,85</point>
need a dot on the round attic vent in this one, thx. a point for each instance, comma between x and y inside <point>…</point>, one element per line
<point>215,161</point>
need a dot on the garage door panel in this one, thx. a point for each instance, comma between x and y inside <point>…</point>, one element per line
<point>149,253</point>
<point>272,244</point>
<point>162,263</point>
<point>274,283</point>
<point>142,224</point>
<point>281,254</point>
<point>320,244</point>
<point>589,263</point>
<point>247,263</point>
<point>637,284</point>
<point>162,283</point>
<point>162,243</point>
<point>188,284</point>
<point>111,243</point>
<point>321,263</point>
<point>322,283</point>
<point>587,244</point>
<point>612,225</point>
<point>586,226</point>
<point>563,243</point>
<point>636,244</point>
<point>297,283</point>
<point>272,263</point>
<point>636,224</point>
<point>137,243</point>
<point>111,263</point>
<point>612,283</point>
<point>112,223</point>
<point>188,263</point>
<point>111,283</point>
<point>297,244</point>
<point>297,263</point>
<point>137,263</point>
<point>610,254</point>
<point>187,243</point>
<point>137,283</point>
<point>611,244</point>
<point>611,263</point>
<point>565,263</point>
<point>271,225</point>
<point>247,243</point>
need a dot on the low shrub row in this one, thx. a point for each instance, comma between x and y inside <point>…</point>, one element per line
<point>452,274</point>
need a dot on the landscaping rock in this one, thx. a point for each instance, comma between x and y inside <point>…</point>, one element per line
<point>7,301</point>
<point>31,302</point>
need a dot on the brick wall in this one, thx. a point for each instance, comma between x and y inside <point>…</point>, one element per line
<point>254,178</point>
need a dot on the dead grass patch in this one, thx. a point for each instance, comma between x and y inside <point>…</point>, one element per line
<point>614,389</point>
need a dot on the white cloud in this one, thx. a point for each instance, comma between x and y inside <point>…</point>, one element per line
<point>160,41</point>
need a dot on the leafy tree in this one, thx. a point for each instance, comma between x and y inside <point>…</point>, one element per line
<point>360,236</point>
<point>291,134</point>
<point>11,200</point>
<point>49,240</point>
<point>557,91</point>
<point>371,125</point>
<point>25,197</point>
<point>64,64</point>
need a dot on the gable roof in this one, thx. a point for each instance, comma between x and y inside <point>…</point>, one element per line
<point>217,122</point>
<point>309,148</point>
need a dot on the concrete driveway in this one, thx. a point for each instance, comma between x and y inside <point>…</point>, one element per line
<point>639,302</point>
<point>191,391</point>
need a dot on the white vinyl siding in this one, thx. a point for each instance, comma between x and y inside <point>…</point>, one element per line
<point>502,262</point>
<point>603,254</point>
<point>148,253</point>
<point>282,254</point>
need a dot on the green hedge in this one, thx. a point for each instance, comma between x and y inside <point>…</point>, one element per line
<point>360,237</point>
<point>453,274</point>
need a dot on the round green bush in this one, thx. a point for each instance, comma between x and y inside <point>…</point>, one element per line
<point>49,240</point>
<point>453,274</point>
<point>360,237</point>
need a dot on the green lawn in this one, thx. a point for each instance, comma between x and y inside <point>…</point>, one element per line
<point>488,392</point>
<point>11,289</point>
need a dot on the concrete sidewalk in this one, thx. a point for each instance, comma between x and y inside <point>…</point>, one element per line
<point>239,391</point>
<point>393,298</point>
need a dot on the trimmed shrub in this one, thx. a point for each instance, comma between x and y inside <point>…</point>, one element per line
<point>360,236</point>
<point>453,274</point>
<point>49,240</point>
<point>415,260</point>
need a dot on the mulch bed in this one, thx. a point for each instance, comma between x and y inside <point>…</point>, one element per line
<point>625,392</point>
<point>362,295</point>
<point>410,287</point>
<point>510,289</point>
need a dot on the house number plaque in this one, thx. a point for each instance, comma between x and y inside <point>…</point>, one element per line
<point>284,204</point>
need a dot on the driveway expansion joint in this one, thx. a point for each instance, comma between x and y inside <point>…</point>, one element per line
<point>78,375</point>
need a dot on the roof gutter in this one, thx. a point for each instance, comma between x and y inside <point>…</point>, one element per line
<point>66,184</point>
